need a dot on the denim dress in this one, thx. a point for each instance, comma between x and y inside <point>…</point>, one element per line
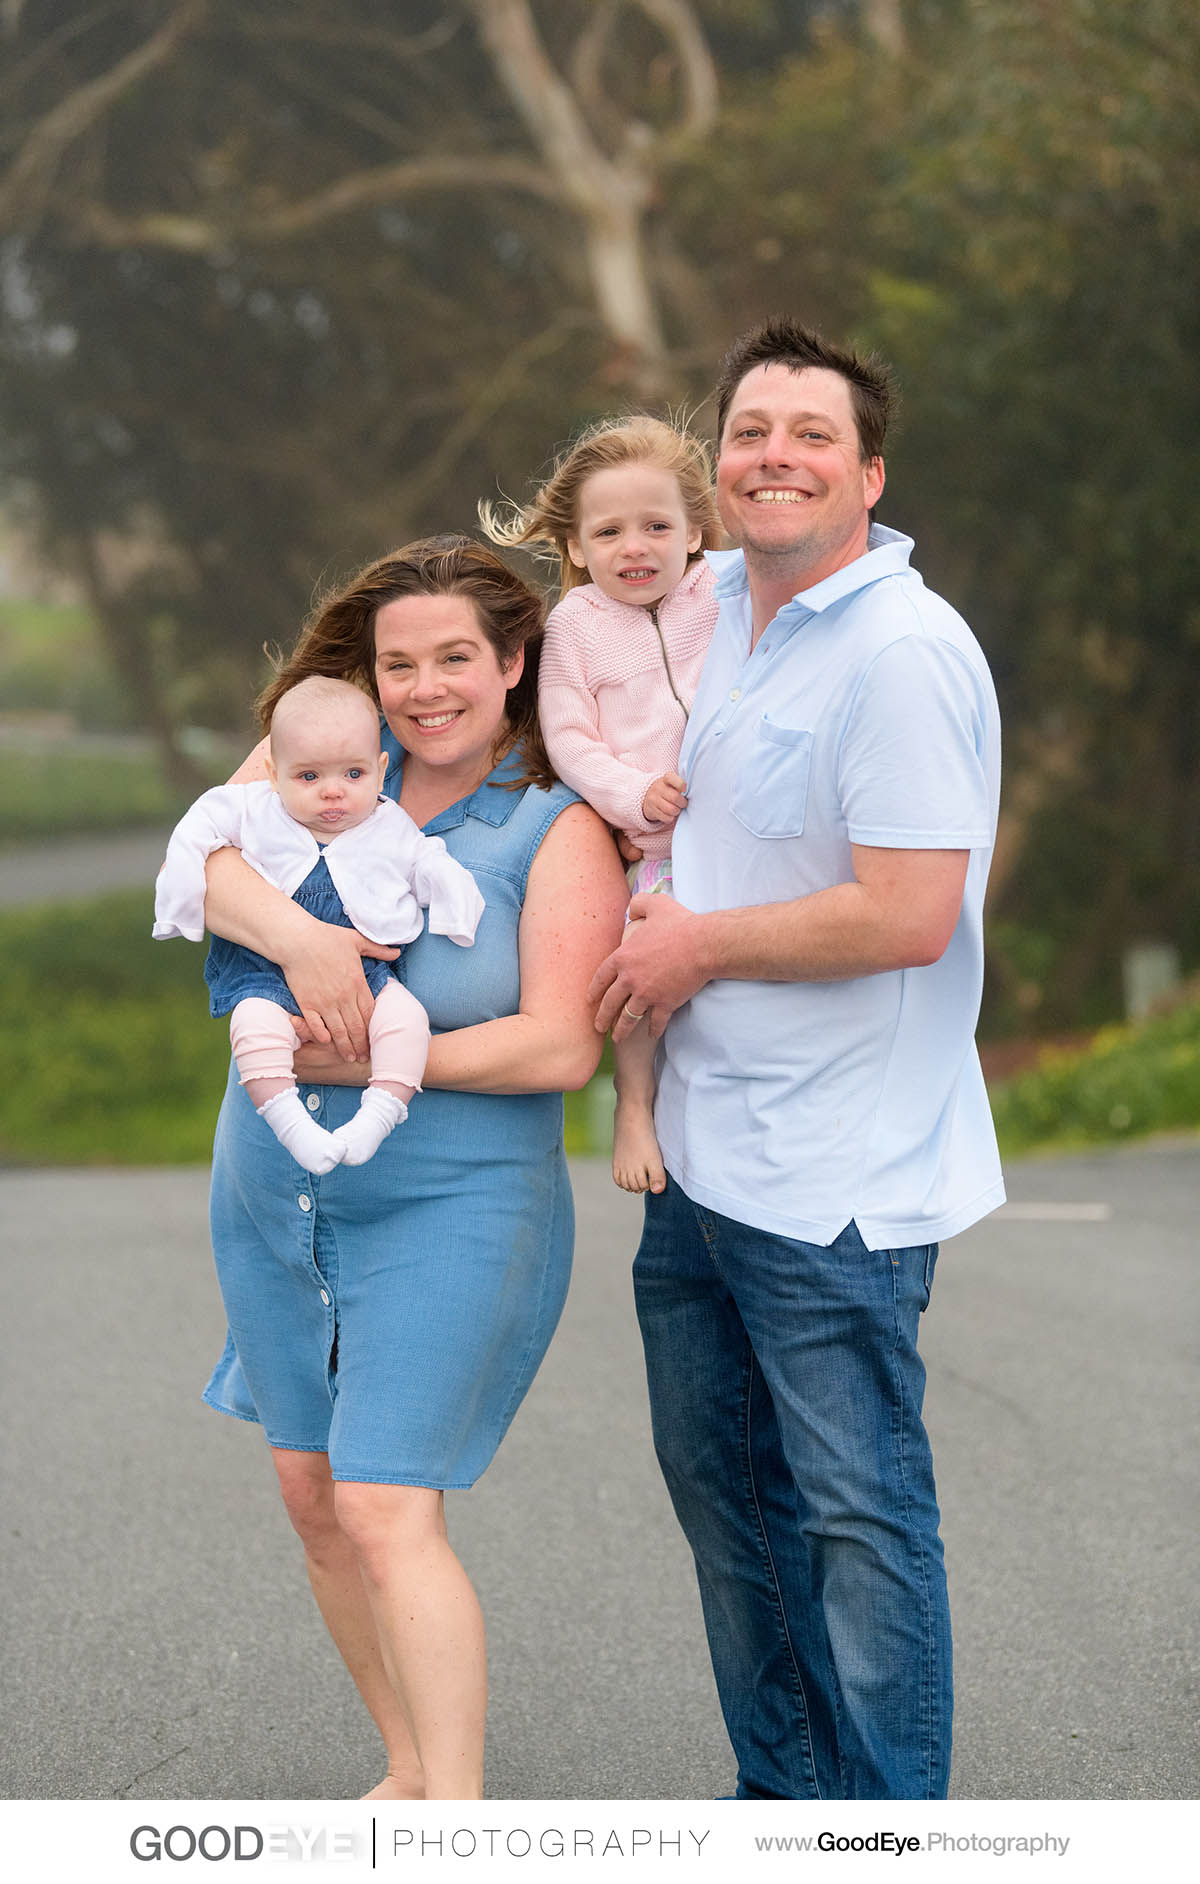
<point>394,1314</point>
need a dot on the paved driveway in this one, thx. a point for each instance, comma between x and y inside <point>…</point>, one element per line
<point>160,1638</point>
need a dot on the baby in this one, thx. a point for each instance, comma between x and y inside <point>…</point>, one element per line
<point>320,832</point>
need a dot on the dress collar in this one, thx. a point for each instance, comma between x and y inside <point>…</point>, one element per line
<point>492,802</point>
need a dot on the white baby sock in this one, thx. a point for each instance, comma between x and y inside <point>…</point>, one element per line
<point>309,1143</point>
<point>361,1136</point>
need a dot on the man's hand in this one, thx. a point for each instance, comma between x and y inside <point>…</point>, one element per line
<point>659,965</point>
<point>665,799</point>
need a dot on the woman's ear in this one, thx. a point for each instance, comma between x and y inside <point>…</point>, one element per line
<point>515,668</point>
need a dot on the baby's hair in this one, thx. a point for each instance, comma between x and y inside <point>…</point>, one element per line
<point>553,515</point>
<point>320,693</point>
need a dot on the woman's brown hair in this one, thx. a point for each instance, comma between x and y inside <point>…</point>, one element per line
<point>339,637</point>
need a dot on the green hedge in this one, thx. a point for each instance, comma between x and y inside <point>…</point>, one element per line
<point>112,1058</point>
<point>1128,1082</point>
<point>111,1055</point>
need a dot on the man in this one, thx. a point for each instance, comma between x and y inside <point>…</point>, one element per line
<point>821,1110</point>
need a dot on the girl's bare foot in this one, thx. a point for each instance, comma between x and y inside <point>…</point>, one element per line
<point>391,1786</point>
<point>637,1161</point>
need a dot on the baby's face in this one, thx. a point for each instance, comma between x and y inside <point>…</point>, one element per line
<point>328,770</point>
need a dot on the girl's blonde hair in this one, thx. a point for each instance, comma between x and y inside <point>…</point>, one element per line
<point>553,516</point>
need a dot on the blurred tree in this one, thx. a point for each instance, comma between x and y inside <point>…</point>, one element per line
<point>268,280</point>
<point>1009,211</point>
<point>299,280</point>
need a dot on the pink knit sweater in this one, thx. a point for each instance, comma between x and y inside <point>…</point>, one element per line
<point>611,722</point>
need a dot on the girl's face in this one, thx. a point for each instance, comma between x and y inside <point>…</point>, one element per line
<point>441,687</point>
<point>632,533</point>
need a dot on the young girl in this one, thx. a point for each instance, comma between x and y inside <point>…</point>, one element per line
<point>319,831</point>
<point>629,510</point>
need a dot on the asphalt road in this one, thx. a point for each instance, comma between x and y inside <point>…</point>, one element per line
<point>81,866</point>
<point>160,1641</point>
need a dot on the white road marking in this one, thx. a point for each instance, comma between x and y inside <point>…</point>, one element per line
<point>1056,1213</point>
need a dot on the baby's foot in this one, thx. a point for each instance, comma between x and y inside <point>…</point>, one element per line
<point>637,1161</point>
<point>360,1137</point>
<point>298,1132</point>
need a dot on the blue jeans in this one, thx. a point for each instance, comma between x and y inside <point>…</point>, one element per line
<point>785,1391</point>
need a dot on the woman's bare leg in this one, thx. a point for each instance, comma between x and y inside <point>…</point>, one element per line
<point>637,1161</point>
<point>333,1571</point>
<point>429,1627</point>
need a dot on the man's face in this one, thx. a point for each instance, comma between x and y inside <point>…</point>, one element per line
<point>790,482</point>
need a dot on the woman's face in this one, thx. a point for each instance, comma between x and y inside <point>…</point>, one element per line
<point>441,687</point>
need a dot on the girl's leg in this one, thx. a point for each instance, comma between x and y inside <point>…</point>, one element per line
<point>399,1035</point>
<point>337,1584</point>
<point>263,1041</point>
<point>637,1161</point>
<point>429,1626</point>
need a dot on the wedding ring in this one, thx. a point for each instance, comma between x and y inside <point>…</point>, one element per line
<point>630,1015</point>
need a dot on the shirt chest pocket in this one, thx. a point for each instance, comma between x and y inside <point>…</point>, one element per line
<point>771,792</point>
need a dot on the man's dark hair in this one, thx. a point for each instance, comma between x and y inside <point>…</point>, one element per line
<point>782,342</point>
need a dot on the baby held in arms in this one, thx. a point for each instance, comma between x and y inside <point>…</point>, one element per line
<point>318,830</point>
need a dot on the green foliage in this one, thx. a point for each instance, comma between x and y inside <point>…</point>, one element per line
<point>111,1056</point>
<point>52,661</point>
<point>1129,1082</point>
<point>52,790</point>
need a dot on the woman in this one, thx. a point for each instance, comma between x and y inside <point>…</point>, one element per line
<point>386,1320</point>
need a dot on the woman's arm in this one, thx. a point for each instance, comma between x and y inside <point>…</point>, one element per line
<point>572,917</point>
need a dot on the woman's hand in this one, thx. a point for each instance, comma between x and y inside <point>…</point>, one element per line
<point>321,961</point>
<point>324,1066</point>
<point>323,969</point>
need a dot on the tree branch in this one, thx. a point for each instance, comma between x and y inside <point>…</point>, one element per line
<point>677,22</point>
<point>31,174</point>
<point>164,229</point>
<point>501,384</point>
<point>884,20</point>
<point>546,104</point>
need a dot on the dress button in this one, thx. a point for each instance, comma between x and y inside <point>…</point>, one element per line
<point>313,1102</point>
<point>736,694</point>
<point>325,1297</point>
<point>304,1201</point>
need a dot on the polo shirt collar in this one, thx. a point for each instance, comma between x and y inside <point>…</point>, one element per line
<point>887,554</point>
<point>493,802</point>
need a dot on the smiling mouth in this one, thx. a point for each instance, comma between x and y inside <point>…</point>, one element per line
<point>779,497</point>
<point>430,722</point>
<point>638,575</point>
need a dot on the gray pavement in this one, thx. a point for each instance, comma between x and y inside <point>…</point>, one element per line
<point>81,866</point>
<point>160,1641</point>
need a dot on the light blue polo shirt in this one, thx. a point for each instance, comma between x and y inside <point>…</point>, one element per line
<point>866,714</point>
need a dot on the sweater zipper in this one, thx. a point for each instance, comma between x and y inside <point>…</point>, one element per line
<point>652,611</point>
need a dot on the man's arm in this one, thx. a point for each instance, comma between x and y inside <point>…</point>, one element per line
<point>899,911</point>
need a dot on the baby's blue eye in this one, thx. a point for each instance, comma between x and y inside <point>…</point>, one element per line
<point>354,772</point>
